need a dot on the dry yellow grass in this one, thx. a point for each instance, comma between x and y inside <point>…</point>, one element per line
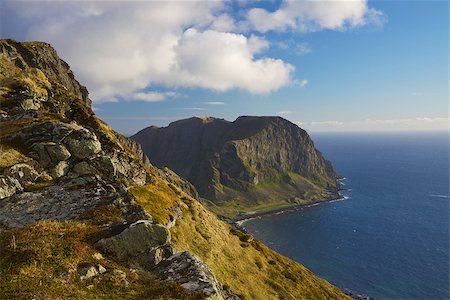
<point>40,262</point>
<point>249,268</point>
<point>10,156</point>
<point>158,199</point>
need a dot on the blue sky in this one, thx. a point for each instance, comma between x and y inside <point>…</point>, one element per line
<point>376,66</point>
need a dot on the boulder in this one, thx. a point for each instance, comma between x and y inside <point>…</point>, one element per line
<point>191,273</point>
<point>82,143</point>
<point>50,153</point>
<point>105,165</point>
<point>84,168</point>
<point>60,169</point>
<point>138,243</point>
<point>9,186</point>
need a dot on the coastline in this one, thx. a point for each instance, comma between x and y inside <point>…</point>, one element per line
<point>238,221</point>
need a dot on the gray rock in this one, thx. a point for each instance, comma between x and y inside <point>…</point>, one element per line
<point>105,165</point>
<point>50,153</point>
<point>66,199</point>
<point>191,273</point>
<point>30,104</point>
<point>9,186</point>
<point>60,169</point>
<point>138,243</point>
<point>84,168</point>
<point>24,173</point>
<point>82,143</point>
<point>87,271</point>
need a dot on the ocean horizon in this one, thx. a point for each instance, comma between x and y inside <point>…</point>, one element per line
<point>389,239</point>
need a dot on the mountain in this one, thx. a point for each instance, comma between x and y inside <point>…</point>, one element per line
<point>248,164</point>
<point>85,215</point>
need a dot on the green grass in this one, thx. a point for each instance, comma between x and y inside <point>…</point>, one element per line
<point>281,190</point>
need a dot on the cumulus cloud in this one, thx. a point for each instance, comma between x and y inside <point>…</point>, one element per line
<point>309,16</point>
<point>119,48</point>
<point>223,61</point>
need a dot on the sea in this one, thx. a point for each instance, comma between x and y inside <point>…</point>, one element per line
<point>389,237</point>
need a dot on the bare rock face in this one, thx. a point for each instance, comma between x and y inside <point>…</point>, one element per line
<point>42,56</point>
<point>214,154</point>
<point>193,275</point>
<point>9,186</point>
<point>142,242</point>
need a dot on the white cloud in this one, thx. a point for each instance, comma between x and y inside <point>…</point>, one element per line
<point>303,82</point>
<point>119,48</point>
<point>303,48</point>
<point>214,103</point>
<point>309,16</point>
<point>150,96</point>
<point>284,112</point>
<point>223,61</point>
<point>410,124</point>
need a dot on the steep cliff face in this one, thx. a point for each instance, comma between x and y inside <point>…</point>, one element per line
<point>252,160</point>
<point>84,215</point>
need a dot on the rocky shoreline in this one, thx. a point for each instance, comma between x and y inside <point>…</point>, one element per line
<point>244,217</point>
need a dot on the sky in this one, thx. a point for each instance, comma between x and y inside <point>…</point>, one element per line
<point>325,65</point>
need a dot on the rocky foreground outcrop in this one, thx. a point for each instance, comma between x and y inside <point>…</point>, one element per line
<point>250,159</point>
<point>60,162</point>
<point>85,215</point>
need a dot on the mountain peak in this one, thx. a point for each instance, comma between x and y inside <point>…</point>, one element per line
<point>231,160</point>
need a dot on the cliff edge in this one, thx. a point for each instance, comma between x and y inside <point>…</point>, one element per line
<point>252,162</point>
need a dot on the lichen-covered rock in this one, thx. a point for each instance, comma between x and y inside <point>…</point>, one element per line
<point>105,165</point>
<point>191,273</point>
<point>8,187</point>
<point>138,243</point>
<point>83,143</point>
<point>60,169</point>
<point>84,168</point>
<point>50,153</point>
<point>65,200</point>
<point>23,172</point>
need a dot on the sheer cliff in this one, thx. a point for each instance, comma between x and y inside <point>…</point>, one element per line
<point>85,215</point>
<point>252,161</point>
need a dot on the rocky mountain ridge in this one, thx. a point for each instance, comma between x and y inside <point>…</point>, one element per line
<point>85,215</point>
<point>249,159</point>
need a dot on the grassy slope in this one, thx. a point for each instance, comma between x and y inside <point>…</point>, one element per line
<point>247,266</point>
<point>41,259</point>
<point>269,195</point>
<point>40,262</point>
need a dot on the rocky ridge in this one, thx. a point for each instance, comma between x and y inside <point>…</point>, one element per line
<point>69,163</point>
<point>85,215</point>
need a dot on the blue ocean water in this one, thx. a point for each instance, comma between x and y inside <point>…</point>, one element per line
<point>390,238</point>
